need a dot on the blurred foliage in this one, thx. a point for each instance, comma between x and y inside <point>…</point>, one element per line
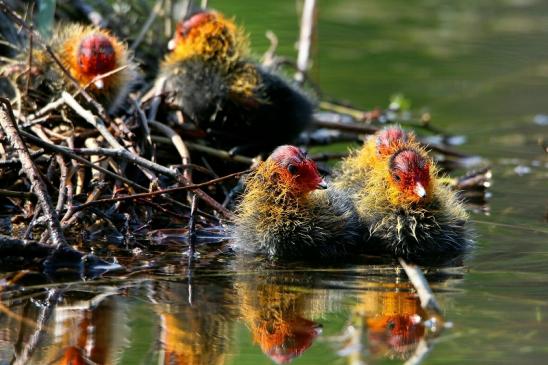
<point>45,17</point>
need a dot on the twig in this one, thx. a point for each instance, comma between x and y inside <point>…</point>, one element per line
<point>179,146</point>
<point>160,192</point>
<point>305,39</point>
<point>191,229</point>
<point>91,119</point>
<point>7,120</point>
<point>17,194</point>
<point>155,10</point>
<point>358,115</point>
<point>63,171</point>
<point>423,349</point>
<point>119,151</point>
<point>10,246</point>
<point>70,153</point>
<point>159,86</point>
<point>222,154</point>
<point>349,127</point>
<point>93,15</point>
<point>367,129</point>
<point>427,299</point>
<point>29,66</point>
<point>16,162</point>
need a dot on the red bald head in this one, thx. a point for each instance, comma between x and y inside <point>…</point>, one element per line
<point>194,22</point>
<point>298,168</point>
<point>410,173</point>
<point>96,55</point>
<point>390,138</point>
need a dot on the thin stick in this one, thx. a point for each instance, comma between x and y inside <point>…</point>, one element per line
<point>367,129</point>
<point>93,15</point>
<point>146,26</point>
<point>91,119</point>
<point>68,152</point>
<point>305,39</point>
<point>191,229</point>
<point>222,154</point>
<point>427,298</point>
<point>15,162</point>
<point>17,194</point>
<point>7,120</point>
<point>348,127</point>
<point>62,167</point>
<point>179,146</point>
<point>29,69</point>
<point>119,150</point>
<point>423,349</point>
<point>159,86</point>
<point>160,192</point>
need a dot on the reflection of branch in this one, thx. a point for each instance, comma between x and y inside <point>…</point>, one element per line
<point>428,301</point>
<point>11,314</point>
<point>43,316</point>
<point>420,353</point>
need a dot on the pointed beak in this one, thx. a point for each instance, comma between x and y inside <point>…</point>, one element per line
<point>419,190</point>
<point>322,184</point>
<point>171,45</point>
<point>99,84</point>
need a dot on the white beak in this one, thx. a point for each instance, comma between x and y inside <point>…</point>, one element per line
<point>322,184</point>
<point>171,45</point>
<point>419,190</point>
<point>99,84</point>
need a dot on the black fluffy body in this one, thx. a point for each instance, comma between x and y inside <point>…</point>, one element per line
<point>325,228</point>
<point>273,115</point>
<point>419,233</point>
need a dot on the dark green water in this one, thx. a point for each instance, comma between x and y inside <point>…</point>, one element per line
<point>481,70</point>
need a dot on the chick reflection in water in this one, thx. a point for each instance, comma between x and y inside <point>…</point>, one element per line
<point>280,315</point>
<point>389,322</point>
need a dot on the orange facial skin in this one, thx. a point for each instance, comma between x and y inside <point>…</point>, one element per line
<point>373,160</point>
<point>410,175</point>
<point>296,170</point>
<point>96,55</point>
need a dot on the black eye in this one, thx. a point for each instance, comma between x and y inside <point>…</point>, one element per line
<point>292,169</point>
<point>396,177</point>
